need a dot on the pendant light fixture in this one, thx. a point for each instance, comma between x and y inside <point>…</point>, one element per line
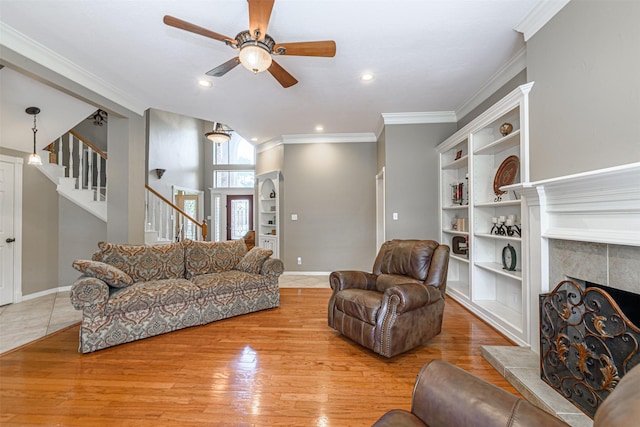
<point>34,158</point>
<point>218,135</point>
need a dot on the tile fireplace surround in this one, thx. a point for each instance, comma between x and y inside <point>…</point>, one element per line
<point>584,226</point>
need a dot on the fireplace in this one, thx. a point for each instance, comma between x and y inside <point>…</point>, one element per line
<point>587,343</point>
<point>584,226</point>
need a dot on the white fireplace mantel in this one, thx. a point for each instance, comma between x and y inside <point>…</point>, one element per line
<point>601,206</point>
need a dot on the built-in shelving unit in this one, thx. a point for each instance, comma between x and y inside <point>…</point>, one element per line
<point>472,156</point>
<point>268,232</point>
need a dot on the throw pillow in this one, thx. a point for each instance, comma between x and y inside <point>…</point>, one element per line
<point>253,260</point>
<point>111,275</point>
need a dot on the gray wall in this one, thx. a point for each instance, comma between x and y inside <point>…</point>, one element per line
<point>585,103</point>
<point>332,189</point>
<point>411,179</point>
<point>176,143</point>
<point>270,160</point>
<point>79,233</point>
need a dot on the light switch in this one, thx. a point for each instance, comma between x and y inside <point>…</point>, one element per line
<point>294,217</point>
<point>395,216</point>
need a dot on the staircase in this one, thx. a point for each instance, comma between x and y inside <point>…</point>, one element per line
<point>79,171</point>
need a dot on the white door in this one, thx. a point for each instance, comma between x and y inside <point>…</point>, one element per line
<point>7,236</point>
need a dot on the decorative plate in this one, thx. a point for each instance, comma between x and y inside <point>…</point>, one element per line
<point>506,174</point>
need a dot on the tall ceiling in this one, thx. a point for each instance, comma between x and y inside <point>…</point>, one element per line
<point>426,56</point>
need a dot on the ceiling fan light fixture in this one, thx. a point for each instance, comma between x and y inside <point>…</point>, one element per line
<point>255,58</point>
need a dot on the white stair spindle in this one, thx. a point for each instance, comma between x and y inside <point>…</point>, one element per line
<point>98,176</point>
<point>59,158</point>
<point>70,148</point>
<point>81,162</point>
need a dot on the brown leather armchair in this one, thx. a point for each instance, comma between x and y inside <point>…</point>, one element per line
<point>447,396</point>
<point>397,307</point>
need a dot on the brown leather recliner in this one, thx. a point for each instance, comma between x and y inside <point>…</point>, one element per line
<point>397,307</point>
<point>447,396</point>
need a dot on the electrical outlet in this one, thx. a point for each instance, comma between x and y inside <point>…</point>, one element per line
<point>299,260</point>
<point>514,298</point>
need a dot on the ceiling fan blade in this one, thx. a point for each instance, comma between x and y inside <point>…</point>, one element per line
<point>187,26</point>
<point>320,48</point>
<point>223,69</point>
<point>259,14</point>
<point>282,76</point>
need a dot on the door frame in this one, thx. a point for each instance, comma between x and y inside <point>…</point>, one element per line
<point>17,224</point>
<point>231,197</point>
<point>380,209</point>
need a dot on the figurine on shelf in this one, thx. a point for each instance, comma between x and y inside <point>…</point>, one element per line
<point>272,195</point>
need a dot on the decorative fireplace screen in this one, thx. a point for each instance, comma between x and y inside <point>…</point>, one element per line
<point>586,344</point>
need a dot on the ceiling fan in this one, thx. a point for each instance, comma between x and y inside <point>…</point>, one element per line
<point>256,47</point>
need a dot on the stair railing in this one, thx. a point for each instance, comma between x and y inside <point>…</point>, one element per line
<point>83,161</point>
<point>169,221</point>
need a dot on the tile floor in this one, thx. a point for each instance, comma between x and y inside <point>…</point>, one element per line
<point>30,320</point>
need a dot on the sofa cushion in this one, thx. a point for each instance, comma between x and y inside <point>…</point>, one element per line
<point>229,282</point>
<point>360,304</point>
<point>111,275</point>
<point>405,257</point>
<point>252,261</point>
<point>144,262</point>
<point>150,294</point>
<point>212,257</point>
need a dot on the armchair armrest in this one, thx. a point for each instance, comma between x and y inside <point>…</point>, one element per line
<point>89,293</point>
<point>445,395</point>
<point>412,296</point>
<point>349,279</point>
<point>272,267</point>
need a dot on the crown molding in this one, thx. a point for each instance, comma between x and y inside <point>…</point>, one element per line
<point>14,40</point>
<point>268,145</point>
<point>326,138</point>
<point>419,117</point>
<point>539,16</point>
<point>499,79</point>
<point>329,138</point>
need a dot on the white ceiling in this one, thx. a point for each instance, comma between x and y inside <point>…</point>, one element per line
<point>426,55</point>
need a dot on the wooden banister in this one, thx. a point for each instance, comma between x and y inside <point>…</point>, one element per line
<point>90,145</point>
<point>202,225</point>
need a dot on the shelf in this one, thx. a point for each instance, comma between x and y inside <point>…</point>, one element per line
<point>458,287</point>
<point>269,212</point>
<point>498,204</point>
<point>479,274</point>
<point>457,233</point>
<point>496,237</point>
<point>497,309</point>
<point>497,268</point>
<point>501,144</point>
<point>457,164</point>
<point>458,258</point>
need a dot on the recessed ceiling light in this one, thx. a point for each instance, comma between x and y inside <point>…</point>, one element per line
<point>205,83</point>
<point>319,128</point>
<point>254,139</point>
<point>366,77</point>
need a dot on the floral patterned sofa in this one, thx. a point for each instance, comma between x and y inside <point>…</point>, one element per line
<point>131,292</point>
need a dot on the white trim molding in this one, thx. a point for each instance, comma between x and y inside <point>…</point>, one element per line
<point>508,71</point>
<point>601,206</point>
<point>539,16</point>
<point>419,117</point>
<point>324,138</point>
<point>14,40</point>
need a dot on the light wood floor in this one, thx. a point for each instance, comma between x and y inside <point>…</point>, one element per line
<point>280,367</point>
